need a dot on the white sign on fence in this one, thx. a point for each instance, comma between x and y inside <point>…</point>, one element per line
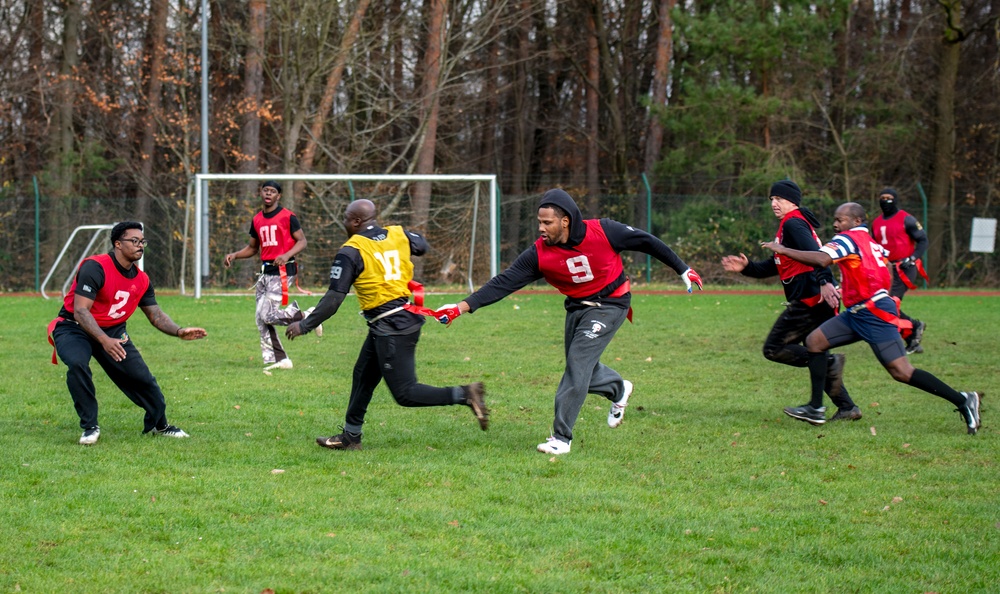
<point>984,235</point>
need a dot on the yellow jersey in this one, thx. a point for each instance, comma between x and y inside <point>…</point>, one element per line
<point>388,268</point>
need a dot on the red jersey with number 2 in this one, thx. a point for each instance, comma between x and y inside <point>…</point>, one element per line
<point>118,299</point>
<point>274,233</point>
<point>862,262</point>
<point>584,269</point>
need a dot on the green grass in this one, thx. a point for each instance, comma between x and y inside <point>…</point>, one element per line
<point>706,487</point>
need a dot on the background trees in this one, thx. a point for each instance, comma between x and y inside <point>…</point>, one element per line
<point>710,99</point>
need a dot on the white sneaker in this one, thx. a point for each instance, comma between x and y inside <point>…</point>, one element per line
<point>283,364</point>
<point>90,436</point>
<point>170,431</point>
<point>617,413</point>
<point>554,446</point>
<point>319,329</point>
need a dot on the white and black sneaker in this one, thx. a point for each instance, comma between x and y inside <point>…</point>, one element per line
<point>90,436</point>
<point>970,412</point>
<point>617,413</point>
<point>170,431</point>
<point>555,446</point>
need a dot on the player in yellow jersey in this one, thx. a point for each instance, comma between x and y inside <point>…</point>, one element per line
<point>376,261</point>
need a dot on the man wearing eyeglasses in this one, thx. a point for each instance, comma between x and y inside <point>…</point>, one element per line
<point>91,324</point>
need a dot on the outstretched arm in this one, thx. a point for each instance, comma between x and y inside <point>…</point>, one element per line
<point>324,310</point>
<point>162,322</point>
<point>811,258</point>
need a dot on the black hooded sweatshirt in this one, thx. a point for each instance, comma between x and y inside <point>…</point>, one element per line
<point>525,268</point>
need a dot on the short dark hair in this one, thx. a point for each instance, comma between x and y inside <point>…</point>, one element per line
<point>271,184</point>
<point>560,212</point>
<point>118,230</point>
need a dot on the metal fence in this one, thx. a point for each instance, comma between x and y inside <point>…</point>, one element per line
<point>701,229</point>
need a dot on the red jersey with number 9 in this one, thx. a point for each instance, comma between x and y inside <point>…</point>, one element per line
<point>118,299</point>
<point>582,270</point>
<point>274,233</point>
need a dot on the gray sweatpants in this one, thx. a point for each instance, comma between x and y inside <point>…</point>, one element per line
<point>588,332</point>
<point>269,314</point>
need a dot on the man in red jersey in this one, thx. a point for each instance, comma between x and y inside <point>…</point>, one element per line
<point>810,293</point>
<point>905,241</point>
<point>582,259</point>
<point>275,233</point>
<point>91,324</point>
<point>871,316</point>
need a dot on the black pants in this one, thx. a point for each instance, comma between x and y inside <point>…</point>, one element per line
<point>76,348</point>
<point>899,289</point>
<point>786,341</point>
<point>392,358</point>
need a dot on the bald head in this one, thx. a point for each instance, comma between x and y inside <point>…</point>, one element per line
<point>358,215</point>
<point>848,216</point>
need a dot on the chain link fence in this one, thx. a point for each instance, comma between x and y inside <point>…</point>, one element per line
<point>701,229</point>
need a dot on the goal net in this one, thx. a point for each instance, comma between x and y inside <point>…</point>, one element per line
<point>461,224</point>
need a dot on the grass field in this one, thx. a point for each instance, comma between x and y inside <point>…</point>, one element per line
<point>706,487</point>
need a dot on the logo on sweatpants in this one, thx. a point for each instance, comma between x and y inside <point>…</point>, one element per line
<point>595,329</point>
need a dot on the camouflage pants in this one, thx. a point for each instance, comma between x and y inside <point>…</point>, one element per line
<point>270,314</point>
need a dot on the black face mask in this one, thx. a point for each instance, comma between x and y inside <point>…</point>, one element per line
<point>888,207</point>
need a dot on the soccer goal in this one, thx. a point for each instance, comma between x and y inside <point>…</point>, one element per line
<point>464,240</point>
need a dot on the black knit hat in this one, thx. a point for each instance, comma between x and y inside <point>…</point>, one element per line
<point>271,184</point>
<point>788,190</point>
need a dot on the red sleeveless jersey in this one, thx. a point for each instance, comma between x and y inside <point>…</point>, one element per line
<point>274,233</point>
<point>863,265</point>
<point>118,299</point>
<point>582,270</point>
<point>891,233</point>
<point>787,268</point>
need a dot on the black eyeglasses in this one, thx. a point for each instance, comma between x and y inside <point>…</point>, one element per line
<point>136,241</point>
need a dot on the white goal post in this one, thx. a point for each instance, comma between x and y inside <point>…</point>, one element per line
<point>201,200</point>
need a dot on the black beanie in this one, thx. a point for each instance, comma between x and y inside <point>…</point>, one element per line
<point>271,184</point>
<point>889,191</point>
<point>788,190</point>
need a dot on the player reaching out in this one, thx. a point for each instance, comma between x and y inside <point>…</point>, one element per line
<point>582,259</point>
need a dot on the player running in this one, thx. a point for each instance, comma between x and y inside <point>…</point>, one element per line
<point>582,259</point>
<point>871,316</point>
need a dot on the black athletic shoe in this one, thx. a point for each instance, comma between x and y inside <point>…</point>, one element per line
<point>474,400</point>
<point>913,345</point>
<point>835,375</point>
<point>847,414</point>
<point>970,411</point>
<point>341,441</point>
<point>813,416</point>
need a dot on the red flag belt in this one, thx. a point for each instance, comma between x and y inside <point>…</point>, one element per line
<point>906,279</point>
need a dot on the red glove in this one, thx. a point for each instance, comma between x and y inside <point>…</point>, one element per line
<point>446,314</point>
<point>690,276</point>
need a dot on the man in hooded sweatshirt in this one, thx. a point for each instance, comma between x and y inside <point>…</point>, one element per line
<point>904,238</point>
<point>582,259</point>
<point>810,292</point>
